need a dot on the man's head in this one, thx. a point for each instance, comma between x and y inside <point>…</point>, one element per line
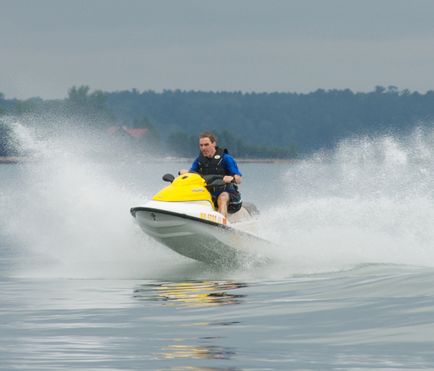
<point>207,144</point>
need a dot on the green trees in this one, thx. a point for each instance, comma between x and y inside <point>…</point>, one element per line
<point>4,137</point>
<point>151,139</point>
<point>81,98</point>
<point>281,125</point>
<point>90,107</point>
<point>277,124</point>
<point>181,144</point>
<point>2,110</point>
<point>8,144</point>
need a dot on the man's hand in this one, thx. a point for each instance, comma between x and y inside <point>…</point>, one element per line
<point>232,179</point>
<point>228,178</point>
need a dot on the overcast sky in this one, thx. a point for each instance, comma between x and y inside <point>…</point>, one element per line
<point>47,46</point>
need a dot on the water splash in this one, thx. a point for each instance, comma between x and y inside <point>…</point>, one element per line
<point>371,200</point>
<point>68,213</point>
<point>368,201</point>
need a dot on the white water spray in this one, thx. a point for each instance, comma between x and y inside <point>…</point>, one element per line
<point>369,201</point>
<point>69,214</point>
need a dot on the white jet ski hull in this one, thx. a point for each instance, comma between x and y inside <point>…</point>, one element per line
<point>199,239</point>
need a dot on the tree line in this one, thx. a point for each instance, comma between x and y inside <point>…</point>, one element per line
<point>272,125</point>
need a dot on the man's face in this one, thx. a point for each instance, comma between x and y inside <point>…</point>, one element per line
<point>207,148</point>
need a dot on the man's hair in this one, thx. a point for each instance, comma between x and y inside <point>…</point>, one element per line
<point>210,135</point>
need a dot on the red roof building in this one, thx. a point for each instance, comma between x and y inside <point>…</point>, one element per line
<point>132,132</point>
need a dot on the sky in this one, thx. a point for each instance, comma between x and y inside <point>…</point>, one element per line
<point>48,46</point>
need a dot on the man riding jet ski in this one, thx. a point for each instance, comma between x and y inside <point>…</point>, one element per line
<point>216,161</point>
<point>183,215</point>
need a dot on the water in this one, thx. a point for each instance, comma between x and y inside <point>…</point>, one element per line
<point>348,285</point>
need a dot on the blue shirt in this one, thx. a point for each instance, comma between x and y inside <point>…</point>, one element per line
<point>228,164</point>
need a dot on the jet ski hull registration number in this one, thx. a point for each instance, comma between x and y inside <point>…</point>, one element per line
<point>213,218</point>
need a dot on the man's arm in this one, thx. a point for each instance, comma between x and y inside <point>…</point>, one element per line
<point>194,166</point>
<point>232,179</point>
<point>232,167</point>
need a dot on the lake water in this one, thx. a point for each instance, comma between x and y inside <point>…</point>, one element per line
<point>348,286</point>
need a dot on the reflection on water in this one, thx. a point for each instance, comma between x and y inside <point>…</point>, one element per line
<point>191,293</point>
<point>193,368</point>
<point>196,352</point>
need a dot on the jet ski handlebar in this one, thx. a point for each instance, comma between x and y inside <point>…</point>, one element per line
<point>168,178</point>
<point>212,181</point>
<point>215,183</point>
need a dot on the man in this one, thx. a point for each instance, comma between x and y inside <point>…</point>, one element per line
<point>213,160</point>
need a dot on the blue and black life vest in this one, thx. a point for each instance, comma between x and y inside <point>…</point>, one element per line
<point>213,165</point>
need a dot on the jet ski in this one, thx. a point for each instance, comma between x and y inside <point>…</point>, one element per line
<point>183,217</point>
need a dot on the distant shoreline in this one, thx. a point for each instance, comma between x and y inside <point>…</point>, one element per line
<point>12,159</point>
<point>17,159</point>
